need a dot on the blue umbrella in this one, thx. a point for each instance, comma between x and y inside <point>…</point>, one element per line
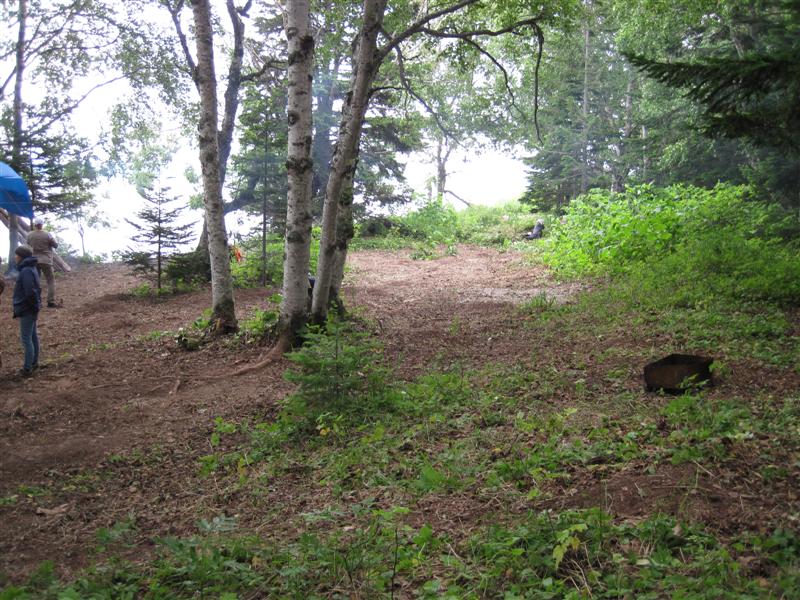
<point>14,194</point>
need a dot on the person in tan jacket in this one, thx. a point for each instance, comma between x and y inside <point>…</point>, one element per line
<point>42,243</point>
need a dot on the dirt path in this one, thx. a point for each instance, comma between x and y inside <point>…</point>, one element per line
<point>115,385</point>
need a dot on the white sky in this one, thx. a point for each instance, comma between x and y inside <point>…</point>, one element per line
<point>487,179</point>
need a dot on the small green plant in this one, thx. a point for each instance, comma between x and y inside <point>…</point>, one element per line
<point>154,335</point>
<point>144,290</point>
<point>9,500</point>
<point>100,347</point>
<point>203,322</point>
<point>119,535</point>
<point>705,430</point>
<point>539,303</point>
<point>338,371</point>
<point>259,326</point>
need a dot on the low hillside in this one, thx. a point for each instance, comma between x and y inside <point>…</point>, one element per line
<point>489,436</point>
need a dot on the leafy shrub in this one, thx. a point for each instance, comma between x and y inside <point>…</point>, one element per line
<point>338,373</point>
<point>188,269</point>
<point>143,291</point>
<point>435,224</point>
<point>258,326</point>
<point>433,221</point>
<point>495,225</point>
<point>251,270</point>
<point>681,244</point>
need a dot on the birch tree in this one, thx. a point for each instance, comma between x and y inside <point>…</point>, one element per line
<point>367,60</point>
<point>16,129</point>
<point>223,315</point>
<point>299,166</point>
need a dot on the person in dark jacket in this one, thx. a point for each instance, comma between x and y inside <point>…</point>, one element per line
<point>536,232</point>
<point>27,301</point>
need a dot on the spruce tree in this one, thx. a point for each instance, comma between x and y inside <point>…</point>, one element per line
<point>158,234</point>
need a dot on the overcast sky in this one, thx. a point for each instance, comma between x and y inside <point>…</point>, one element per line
<point>488,179</point>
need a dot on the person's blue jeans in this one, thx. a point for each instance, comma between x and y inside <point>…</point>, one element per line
<point>29,337</point>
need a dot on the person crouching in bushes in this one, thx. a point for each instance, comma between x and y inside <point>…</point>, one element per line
<point>27,301</point>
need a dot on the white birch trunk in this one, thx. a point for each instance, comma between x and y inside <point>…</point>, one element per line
<point>222,304</point>
<point>297,246</point>
<point>344,233</point>
<point>365,64</point>
<point>16,144</point>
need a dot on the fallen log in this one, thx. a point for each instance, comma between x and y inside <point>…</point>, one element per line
<point>23,229</point>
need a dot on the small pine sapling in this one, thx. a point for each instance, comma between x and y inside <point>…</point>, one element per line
<point>158,234</point>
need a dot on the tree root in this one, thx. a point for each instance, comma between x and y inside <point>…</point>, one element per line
<point>282,346</point>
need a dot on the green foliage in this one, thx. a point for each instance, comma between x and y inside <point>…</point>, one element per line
<point>252,271</point>
<point>682,244</point>
<point>545,555</point>
<point>259,326</point>
<point>157,232</point>
<point>188,269</point>
<point>142,291</point>
<point>703,429</point>
<point>433,221</point>
<point>575,554</point>
<point>338,371</point>
<point>748,89</point>
<point>434,229</point>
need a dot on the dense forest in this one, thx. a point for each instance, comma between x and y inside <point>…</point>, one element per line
<point>373,393</point>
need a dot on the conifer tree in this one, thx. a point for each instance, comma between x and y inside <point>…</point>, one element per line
<point>158,234</point>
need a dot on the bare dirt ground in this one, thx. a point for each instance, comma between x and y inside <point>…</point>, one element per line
<point>112,386</point>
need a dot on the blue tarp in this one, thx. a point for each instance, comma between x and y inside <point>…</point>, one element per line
<point>14,194</point>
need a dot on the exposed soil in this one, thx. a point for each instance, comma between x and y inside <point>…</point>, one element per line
<point>113,386</point>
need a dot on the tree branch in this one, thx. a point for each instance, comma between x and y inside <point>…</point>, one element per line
<point>410,90</point>
<point>457,197</point>
<point>67,109</point>
<point>175,11</point>
<point>419,25</point>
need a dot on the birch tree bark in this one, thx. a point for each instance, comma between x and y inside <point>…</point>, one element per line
<point>299,166</point>
<point>366,62</point>
<point>344,233</point>
<point>234,79</point>
<point>222,304</point>
<point>16,144</point>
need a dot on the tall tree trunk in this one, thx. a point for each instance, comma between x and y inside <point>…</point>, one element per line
<point>442,157</point>
<point>645,154</point>
<point>16,142</point>
<point>584,154</point>
<point>366,61</point>
<point>324,120</point>
<point>222,304</point>
<point>231,96</point>
<point>299,166</point>
<point>620,173</point>
<point>344,233</point>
